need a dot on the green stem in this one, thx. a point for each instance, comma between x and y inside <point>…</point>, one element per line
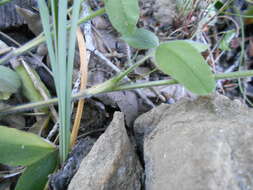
<point>132,67</point>
<point>41,38</point>
<point>108,87</point>
<point>91,16</point>
<point>232,75</point>
<point>239,15</point>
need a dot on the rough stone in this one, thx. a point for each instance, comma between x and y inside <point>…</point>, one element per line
<point>195,145</point>
<point>111,163</point>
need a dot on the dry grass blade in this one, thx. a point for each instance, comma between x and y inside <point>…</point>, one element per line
<point>84,78</point>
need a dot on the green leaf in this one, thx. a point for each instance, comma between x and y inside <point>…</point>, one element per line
<point>66,119</point>
<point>227,38</point>
<point>123,14</point>
<point>200,47</point>
<point>9,80</point>
<point>22,148</point>
<point>185,64</point>
<point>35,176</point>
<point>142,39</point>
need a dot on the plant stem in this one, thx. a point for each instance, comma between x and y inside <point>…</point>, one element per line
<point>232,75</point>
<point>41,38</point>
<point>108,87</point>
<point>132,67</point>
<point>91,16</point>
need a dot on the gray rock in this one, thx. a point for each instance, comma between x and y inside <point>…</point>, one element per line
<point>111,163</point>
<point>196,145</point>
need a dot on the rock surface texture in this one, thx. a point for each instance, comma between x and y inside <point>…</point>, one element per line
<point>111,163</point>
<point>204,144</point>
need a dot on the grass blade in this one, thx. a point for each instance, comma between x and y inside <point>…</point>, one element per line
<point>71,53</point>
<point>44,14</point>
<point>63,91</point>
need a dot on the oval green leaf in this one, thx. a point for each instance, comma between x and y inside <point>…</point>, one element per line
<point>123,14</point>
<point>22,148</point>
<point>185,64</point>
<point>142,39</point>
<point>200,47</point>
<point>35,176</point>
<point>9,80</point>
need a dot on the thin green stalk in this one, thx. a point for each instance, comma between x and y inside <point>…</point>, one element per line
<point>41,38</point>
<point>239,15</point>
<point>91,16</point>
<point>28,46</point>
<point>130,69</point>
<point>232,75</point>
<point>108,87</point>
